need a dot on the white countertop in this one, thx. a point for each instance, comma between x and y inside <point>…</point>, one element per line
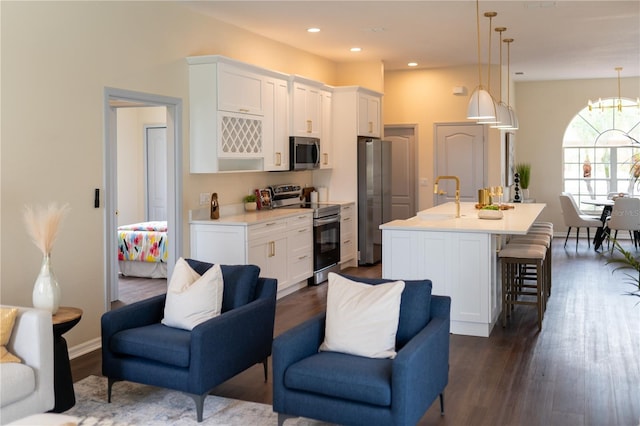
<point>515,221</point>
<point>246,218</point>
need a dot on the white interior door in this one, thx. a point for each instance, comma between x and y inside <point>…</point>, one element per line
<point>403,174</point>
<point>156,172</point>
<point>461,150</point>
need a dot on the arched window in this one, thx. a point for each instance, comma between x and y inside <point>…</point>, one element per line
<point>601,151</point>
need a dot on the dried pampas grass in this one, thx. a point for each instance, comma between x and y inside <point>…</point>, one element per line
<point>42,224</point>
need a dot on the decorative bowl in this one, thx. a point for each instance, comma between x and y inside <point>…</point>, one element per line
<point>490,214</point>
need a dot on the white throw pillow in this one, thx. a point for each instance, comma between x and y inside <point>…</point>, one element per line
<point>362,319</point>
<point>191,298</point>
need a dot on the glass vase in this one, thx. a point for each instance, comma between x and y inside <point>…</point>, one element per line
<point>46,291</point>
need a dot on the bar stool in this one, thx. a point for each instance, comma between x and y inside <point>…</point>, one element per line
<point>542,240</point>
<point>515,257</point>
<point>544,228</point>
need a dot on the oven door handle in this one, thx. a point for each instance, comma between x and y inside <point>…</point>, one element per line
<point>326,221</point>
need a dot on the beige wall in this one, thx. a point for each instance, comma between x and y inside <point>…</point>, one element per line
<point>366,74</point>
<point>545,109</point>
<point>424,97</point>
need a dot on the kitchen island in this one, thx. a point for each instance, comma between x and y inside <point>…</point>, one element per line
<point>459,255</point>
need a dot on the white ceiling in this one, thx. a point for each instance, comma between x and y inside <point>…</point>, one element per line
<point>556,40</point>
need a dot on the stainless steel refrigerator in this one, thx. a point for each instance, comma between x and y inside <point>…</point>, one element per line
<point>374,196</point>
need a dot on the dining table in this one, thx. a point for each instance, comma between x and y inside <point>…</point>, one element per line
<point>603,231</point>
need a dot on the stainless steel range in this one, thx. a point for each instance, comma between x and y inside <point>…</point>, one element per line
<point>326,229</point>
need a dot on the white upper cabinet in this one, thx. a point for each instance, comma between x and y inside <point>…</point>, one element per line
<point>276,125</point>
<point>240,90</point>
<point>326,144</point>
<point>369,115</point>
<point>306,107</point>
<point>238,116</point>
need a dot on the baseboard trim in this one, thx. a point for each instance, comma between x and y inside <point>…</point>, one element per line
<point>85,348</point>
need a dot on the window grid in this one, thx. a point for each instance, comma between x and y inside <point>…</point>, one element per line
<point>598,157</point>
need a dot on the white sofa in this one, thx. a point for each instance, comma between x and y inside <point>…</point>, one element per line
<point>27,388</point>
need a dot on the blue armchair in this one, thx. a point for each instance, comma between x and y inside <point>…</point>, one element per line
<point>138,348</point>
<point>353,390</point>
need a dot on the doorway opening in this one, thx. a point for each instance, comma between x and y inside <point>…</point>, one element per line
<point>115,101</point>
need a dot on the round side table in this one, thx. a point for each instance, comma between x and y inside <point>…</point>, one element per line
<point>64,320</point>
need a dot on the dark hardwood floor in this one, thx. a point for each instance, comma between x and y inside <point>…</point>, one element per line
<point>583,368</point>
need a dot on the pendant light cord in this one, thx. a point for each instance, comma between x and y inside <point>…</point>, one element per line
<point>478,38</point>
<point>489,15</point>
<point>508,41</point>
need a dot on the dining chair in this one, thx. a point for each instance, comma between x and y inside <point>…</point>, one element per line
<point>625,216</point>
<point>573,217</point>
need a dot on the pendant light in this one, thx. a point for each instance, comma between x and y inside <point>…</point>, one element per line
<point>514,117</point>
<point>504,116</point>
<point>481,104</point>
<point>494,120</point>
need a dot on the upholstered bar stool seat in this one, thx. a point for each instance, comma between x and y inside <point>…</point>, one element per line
<point>541,239</point>
<point>514,257</point>
<point>546,227</point>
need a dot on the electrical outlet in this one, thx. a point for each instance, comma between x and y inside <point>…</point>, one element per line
<point>205,198</point>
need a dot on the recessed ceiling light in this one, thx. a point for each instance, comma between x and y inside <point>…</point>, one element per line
<point>412,64</point>
<point>313,30</point>
<point>356,49</point>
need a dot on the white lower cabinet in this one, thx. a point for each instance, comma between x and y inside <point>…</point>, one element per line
<point>282,248</point>
<point>348,247</point>
<point>300,249</point>
<point>270,254</point>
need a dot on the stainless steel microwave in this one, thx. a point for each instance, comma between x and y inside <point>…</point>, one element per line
<point>304,153</point>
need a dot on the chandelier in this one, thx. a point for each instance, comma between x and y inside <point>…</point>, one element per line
<point>615,103</point>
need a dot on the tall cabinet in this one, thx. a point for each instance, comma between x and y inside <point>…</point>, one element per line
<point>355,112</point>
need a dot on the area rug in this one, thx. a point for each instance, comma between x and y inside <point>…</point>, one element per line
<point>136,404</point>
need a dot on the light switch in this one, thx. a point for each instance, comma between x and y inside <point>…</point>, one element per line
<point>424,182</point>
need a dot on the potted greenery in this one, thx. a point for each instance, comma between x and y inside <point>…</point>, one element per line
<point>524,171</point>
<point>627,261</point>
<point>250,203</point>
